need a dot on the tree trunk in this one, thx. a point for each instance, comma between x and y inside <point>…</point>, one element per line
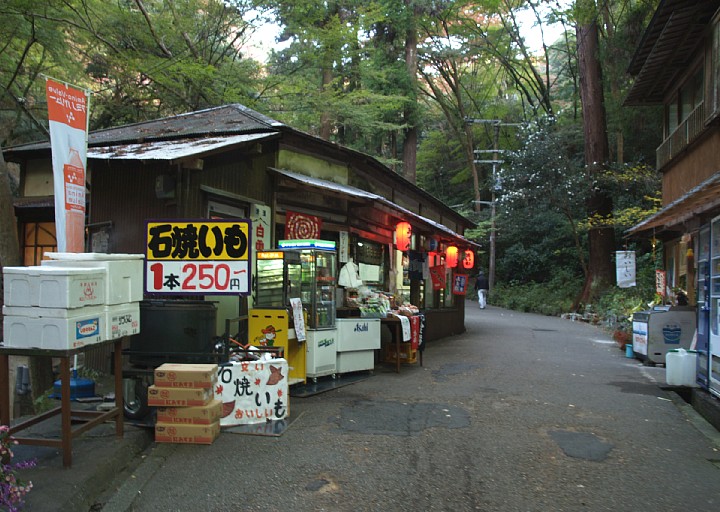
<point>411,132</point>
<point>9,245</point>
<point>325,117</point>
<point>599,205</point>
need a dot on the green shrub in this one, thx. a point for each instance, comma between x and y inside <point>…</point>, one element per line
<point>551,298</point>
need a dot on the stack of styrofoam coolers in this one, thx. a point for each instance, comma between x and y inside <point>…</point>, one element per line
<point>72,301</point>
<point>187,411</point>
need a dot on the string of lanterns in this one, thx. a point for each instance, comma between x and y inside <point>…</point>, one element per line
<point>403,242</point>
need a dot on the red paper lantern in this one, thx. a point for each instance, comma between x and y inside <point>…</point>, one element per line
<point>469,260</point>
<point>451,256</point>
<point>403,236</point>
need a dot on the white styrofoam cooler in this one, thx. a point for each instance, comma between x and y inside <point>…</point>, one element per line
<point>53,328</point>
<point>51,287</point>
<point>124,272</point>
<point>122,320</point>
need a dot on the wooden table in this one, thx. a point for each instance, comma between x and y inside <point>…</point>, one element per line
<point>88,419</point>
<point>393,323</point>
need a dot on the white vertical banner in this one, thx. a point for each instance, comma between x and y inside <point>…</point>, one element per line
<point>625,268</point>
<point>343,246</point>
<point>68,117</point>
<point>260,218</point>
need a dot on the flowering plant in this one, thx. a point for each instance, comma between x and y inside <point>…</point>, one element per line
<point>12,489</point>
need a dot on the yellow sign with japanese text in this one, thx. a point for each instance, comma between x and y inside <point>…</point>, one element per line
<point>198,257</point>
<point>198,240</point>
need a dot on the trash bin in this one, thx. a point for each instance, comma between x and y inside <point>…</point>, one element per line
<point>629,351</point>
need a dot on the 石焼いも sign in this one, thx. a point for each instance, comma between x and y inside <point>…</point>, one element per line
<point>198,257</point>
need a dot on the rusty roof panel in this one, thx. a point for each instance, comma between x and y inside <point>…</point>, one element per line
<point>173,149</point>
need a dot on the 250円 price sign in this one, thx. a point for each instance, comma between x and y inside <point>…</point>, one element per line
<point>203,257</point>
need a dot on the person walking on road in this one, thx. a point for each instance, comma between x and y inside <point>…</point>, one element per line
<point>481,286</point>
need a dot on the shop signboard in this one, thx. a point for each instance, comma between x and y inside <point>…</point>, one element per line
<point>660,282</point>
<point>460,282</point>
<point>625,268</point>
<point>198,257</point>
<point>253,391</point>
<point>437,274</point>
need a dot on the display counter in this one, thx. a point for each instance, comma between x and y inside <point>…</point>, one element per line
<point>399,350</point>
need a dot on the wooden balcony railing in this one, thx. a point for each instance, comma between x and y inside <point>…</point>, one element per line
<point>686,132</point>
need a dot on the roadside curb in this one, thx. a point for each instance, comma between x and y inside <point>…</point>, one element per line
<point>98,458</point>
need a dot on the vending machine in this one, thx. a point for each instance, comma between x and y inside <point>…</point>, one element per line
<point>703,310</point>
<point>713,349</point>
<point>318,275</point>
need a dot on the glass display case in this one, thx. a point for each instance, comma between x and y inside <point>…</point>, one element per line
<point>278,278</point>
<point>318,262</point>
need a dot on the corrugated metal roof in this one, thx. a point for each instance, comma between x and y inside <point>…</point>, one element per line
<point>173,149</point>
<point>234,119</point>
<point>698,200</point>
<point>226,120</point>
<point>347,190</point>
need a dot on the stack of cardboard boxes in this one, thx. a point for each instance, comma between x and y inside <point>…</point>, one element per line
<point>187,411</point>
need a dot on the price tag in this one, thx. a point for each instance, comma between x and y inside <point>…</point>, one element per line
<point>191,277</point>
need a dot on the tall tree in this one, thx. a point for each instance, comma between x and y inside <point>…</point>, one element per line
<point>601,235</point>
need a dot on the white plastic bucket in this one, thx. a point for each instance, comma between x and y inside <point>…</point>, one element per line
<point>681,367</point>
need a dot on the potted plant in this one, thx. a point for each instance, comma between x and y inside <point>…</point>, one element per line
<point>12,489</point>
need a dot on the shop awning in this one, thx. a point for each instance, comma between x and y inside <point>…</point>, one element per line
<point>175,150</point>
<point>700,199</point>
<point>378,201</point>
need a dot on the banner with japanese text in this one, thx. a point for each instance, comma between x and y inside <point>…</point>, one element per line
<point>460,282</point>
<point>253,391</point>
<point>438,276</point>
<point>67,116</point>
<point>198,257</point>
<point>625,268</point>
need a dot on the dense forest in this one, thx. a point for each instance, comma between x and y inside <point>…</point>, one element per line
<point>531,143</point>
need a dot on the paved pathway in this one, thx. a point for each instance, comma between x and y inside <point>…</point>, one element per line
<point>520,413</point>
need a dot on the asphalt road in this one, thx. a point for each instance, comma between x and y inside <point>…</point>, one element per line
<point>520,413</point>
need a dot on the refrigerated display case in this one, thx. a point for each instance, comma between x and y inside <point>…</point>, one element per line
<point>278,278</point>
<point>318,262</point>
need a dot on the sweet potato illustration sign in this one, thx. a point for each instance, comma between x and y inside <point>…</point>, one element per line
<point>253,391</point>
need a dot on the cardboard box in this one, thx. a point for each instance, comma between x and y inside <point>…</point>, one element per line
<point>124,272</point>
<point>122,320</point>
<point>178,397</point>
<point>53,328</point>
<point>186,434</point>
<point>51,287</point>
<point>198,415</point>
<point>178,375</point>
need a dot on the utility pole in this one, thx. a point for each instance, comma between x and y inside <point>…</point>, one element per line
<point>496,124</point>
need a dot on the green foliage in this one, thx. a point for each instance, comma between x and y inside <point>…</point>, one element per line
<point>556,294</point>
<point>552,297</point>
